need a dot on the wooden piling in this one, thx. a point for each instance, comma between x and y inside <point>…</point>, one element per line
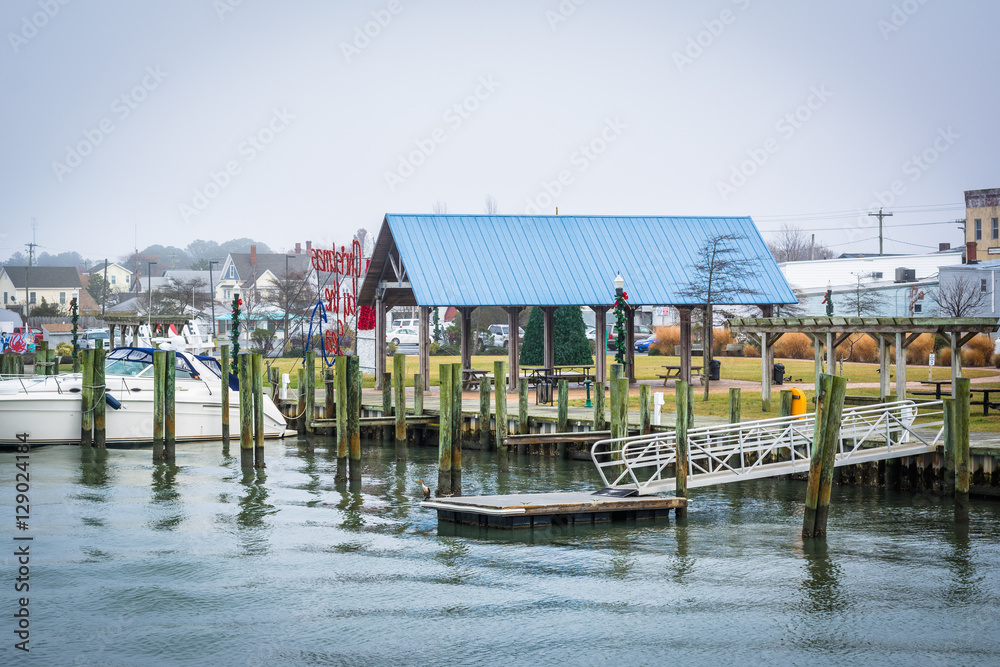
<point>399,389</point>
<point>226,370</point>
<point>353,414</point>
<point>329,395</point>
<point>310,390</point>
<point>418,394</point>
<point>960,432</point>
<point>682,403</point>
<point>41,350</point>
<point>600,418</point>
<point>159,400</point>
<point>786,403</point>
<point>170,406</point>
<point>456,428</point>
<point>829,408</point>
<point>623,386</point>
<point>948,438</point>
<point>87,403</point>
<point>340,377</point>
<point>690,406</point>
<point>300,422</point>
<point>645,422</point>
<point>246,408</point>
<point>485,442</point>
<point>445,431</point>
<point>100,402</point>
<point>257,369</point>
<point>734,405</point>
<point>386,406</point>
<point>523,427</point>
<point>499,374</point>
<point>616,419</point>
<point>562,416</point>
<point>53,361</point>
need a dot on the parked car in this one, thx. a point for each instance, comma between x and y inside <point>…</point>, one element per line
<point>406,324</point>
<point>89,337</point>
<point>402,336</point>
<point>36,333</point>
<point>639,331</point>
<point>500,334</point>
<point>643,345</point>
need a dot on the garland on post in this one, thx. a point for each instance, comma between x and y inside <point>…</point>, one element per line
<point>621,306</point>
<point>234,335</point>
<point>75,316</point>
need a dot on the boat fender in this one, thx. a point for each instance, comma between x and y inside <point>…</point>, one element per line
<point>112,401</point>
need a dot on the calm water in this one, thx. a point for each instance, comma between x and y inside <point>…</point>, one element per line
<point>135,563</point>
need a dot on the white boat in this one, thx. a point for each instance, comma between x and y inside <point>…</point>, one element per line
<point>46,409</point>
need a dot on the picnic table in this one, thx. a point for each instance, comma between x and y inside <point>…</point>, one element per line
<point>471,378</point>
<point>578,373</point>
<point>937,388</point>
<point>674,373</point>
<point>536,374</point>
<point>986,400</point>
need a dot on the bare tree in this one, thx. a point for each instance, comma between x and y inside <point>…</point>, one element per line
<point>292,294</point>
<point>719,269</point>
<point>792,309</point>
<point>492,207</point>
<point>862,300</point>
<point>792,244</point>
<point>177,295</point>
<point>439,208</point>
<point>961,297</point>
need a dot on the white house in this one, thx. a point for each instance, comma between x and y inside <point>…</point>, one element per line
<point>55,284</point>
<point>901,284</point>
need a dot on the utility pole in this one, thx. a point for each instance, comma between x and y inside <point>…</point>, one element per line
<point>880,215</point>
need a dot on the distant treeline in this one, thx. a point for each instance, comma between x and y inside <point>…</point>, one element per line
<point>195,256</point>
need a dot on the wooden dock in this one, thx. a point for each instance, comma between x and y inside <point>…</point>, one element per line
<point>530,510</point>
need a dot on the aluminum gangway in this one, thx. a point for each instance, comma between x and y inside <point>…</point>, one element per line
<point>767,447</point>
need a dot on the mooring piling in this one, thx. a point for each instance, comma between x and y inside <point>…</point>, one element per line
<point>499,375</point>
<point>444,430</point>
<point>340,366</point>
<point>786,403</point>
<point>310,390</point>
<point>300,421</point>
<point>691,406</point>
<point>418,407</point>
<point>600,419</point>
<point>456,426</point>
<point>484,414</point>
<point>562,416</point>
<point>826,435</point>
<point>246,408</point>
<point>734,405</point>
<point>386,406</point>
<point>682,405</point>
<point>948,437</point>
<point>226,370</point>
<point>53,360</point>
<point>257,369</point>
<point>87,403</point>
<point>353,414</point>
<point>399,388</point>
<point>960,433</point>
<point>100,401</point>
<point>329,394</point>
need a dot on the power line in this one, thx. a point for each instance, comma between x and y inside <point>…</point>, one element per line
<point>880,215</point>
<point>841,228</point>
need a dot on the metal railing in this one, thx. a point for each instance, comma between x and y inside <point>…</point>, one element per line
<point>767,447</point>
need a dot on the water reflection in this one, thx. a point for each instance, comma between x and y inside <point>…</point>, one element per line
<point>822,585</point>
<point>165,493</point>
<point>94,467</point>
<point>623,559</point>
<point>966,585</point>
<point>351,503</point>
<point>684,562</point>
<point>253,512</point>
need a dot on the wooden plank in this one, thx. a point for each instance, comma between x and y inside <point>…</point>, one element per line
<point>551,438</point>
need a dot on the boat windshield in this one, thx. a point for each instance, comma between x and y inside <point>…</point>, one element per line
<point>136,362</point>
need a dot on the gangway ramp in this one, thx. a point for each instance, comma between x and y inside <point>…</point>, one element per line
<point>762,448</point>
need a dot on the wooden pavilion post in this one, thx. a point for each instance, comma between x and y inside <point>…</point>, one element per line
<point>831,354</point>
<point>883,368</point>
<point>685,318</point>
<point>380,315</point>
<point>956,361</point>
<point>766,360</point>
<point>900,368</point>
<point>549,349</point>
<point>513,347</point>
<point>424,332</point>
<point>817,360</point>
<point>466,313</point>
<point>600,345</point>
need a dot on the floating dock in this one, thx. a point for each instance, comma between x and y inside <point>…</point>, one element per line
<point>528,510</point>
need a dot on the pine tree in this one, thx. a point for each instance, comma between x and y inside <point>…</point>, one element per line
<point>570,334</point>
<point>533,346</point>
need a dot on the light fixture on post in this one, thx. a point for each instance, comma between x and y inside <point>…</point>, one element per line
<point>619,285</point>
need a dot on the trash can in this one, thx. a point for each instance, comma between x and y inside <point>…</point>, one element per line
<point>713,369</point>
<point>778,374</point>
<point>543,392</point>
<point>798,402</point>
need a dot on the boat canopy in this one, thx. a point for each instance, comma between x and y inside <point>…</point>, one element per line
<point>144,355</point>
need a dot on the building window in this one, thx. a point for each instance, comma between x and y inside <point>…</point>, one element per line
<point>979,229</point>
<point>982,285</point>
<point>5,298</point>
<point>114,279</point>
<point>996,230</point>
<point>31,298</point>
<point>876,274</point>
<point>62,298</point>
<point>918,308</point>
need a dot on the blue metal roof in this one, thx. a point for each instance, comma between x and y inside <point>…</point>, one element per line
<point>507,260</point>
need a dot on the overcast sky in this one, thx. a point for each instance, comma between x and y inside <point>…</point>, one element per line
<point>293,121</point>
